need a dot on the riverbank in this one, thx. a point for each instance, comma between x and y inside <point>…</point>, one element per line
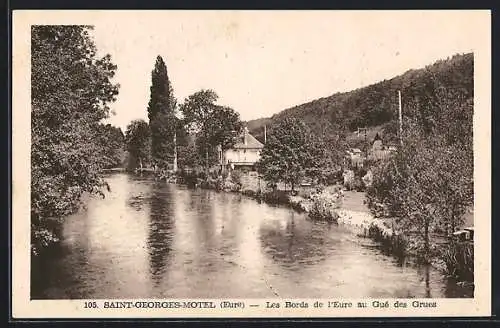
<point>334,204</point>
<point>185,242</point>
<point>455,259</point>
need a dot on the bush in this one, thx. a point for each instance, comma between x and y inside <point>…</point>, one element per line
<point>249,193</point>
<point>360,172</point>
<point>213,174</point>
<point>415,246</point>
<point>236,177</point>
<point>459,260</point>
<point>348,179</point>
<point>324,206</point>
<point>276,197</point>
<point>391,242</point>
<point>358,184</point>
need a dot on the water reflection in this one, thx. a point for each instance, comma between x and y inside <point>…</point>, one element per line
<point>151,239</point>
<point>294,242</point>
<point>160,231</point>
<point>427,282</point>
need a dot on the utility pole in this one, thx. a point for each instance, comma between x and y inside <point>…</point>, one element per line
<point>265,134</point>
<point>400,118</point>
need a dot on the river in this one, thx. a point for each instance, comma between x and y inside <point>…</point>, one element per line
<point>150,239</point>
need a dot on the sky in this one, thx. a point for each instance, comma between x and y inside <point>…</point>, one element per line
<point>261,62</point>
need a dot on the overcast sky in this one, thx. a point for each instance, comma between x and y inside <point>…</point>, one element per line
<point>260,63</point>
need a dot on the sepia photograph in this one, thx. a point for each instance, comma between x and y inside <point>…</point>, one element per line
<point>275,155</point>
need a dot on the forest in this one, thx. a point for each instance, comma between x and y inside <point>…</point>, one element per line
<point>376,106</point>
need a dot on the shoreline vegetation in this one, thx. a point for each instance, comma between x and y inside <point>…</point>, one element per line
<point>326,203</point>
<point>421,164</point>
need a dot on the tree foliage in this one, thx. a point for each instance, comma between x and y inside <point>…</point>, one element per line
<point>428,185</point>
<point>138,140</point>
<point>162,98</point>
<point>290,154</point>
<point>213,125</point>
<point>423,98</point>
<point>223,127</point>
<point>111,145</point>
<point>161,113</point>
<point>197,109</point>
<point>71,89</point>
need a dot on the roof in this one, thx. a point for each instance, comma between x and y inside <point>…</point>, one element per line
<point>251,142</point>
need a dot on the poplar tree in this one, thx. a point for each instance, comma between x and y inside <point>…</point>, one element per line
<point>161,114</point>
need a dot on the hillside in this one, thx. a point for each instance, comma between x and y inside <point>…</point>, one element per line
<point>376,106</point>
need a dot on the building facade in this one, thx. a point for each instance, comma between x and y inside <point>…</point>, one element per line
<point>356,158</point>
<point>244,154</point>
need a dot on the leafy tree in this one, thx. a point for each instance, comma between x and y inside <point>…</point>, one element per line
<point>427,186</point>
<point>162,98</point>
<point>188,156</point>
<point>111,144</point>
<point>71,89</point>
<point>197,109</point>
<point>290,154</point>
<point>161,113</point>
<point>138,140</point>
<point>162,139</point>
<point>213,125</point>
<point>223,127</point>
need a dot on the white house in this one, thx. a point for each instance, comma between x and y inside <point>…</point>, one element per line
<point>245,152</point>
<point>379,151</point>
<point>354,158</point>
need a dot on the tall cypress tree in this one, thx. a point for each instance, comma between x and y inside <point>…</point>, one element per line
<point>161,113</point>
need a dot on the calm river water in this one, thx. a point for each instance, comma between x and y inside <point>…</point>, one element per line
<point>150,239</point>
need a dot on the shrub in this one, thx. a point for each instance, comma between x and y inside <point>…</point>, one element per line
<point>276,197</point>
<point>236,177</point>
<point>358,184</point>
<point>202,175</point>
<point>324,206</point>
<point>348,177</point>
<point>459,260</point>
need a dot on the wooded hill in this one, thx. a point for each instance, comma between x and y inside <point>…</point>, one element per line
<point>376,106</point>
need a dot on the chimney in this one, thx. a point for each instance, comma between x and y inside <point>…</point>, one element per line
<point>245,134</point>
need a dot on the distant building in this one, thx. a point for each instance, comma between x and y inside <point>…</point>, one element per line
<point>354,158</point>
<point>378,151</point>
<point>244,154</point>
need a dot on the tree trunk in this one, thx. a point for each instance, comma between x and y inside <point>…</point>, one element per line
<point>206,161</point>
<point>175,153</point>
<point>453,223</point>
<point>426,239</point>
